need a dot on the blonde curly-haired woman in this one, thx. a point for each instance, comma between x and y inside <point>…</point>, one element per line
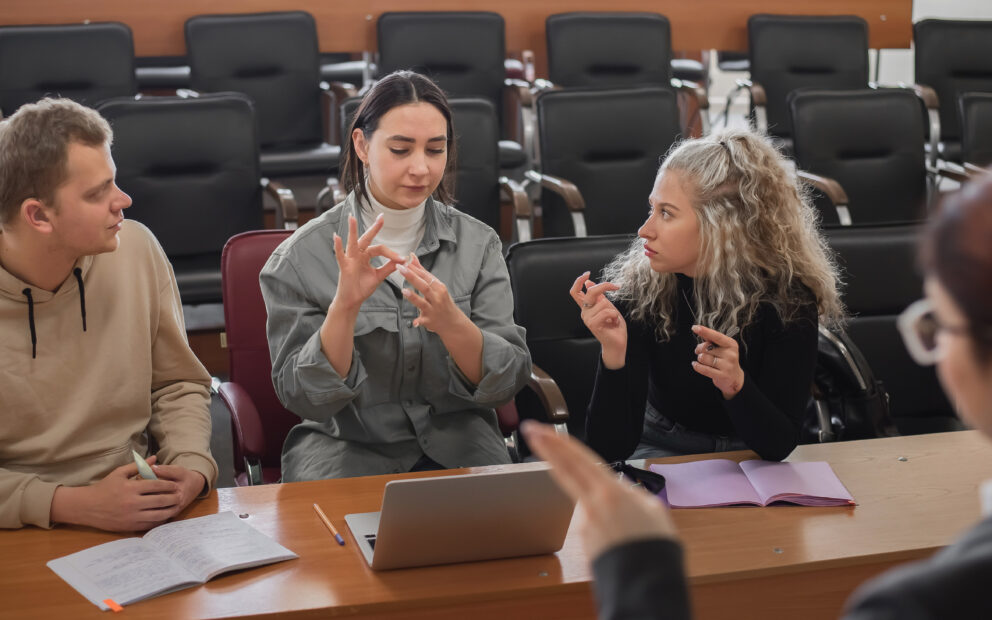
<point>708,323</point>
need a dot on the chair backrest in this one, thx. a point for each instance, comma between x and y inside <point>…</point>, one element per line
<point>84,62</point>
<point>191,168</point>
<point>609,49</point>
<point>869,141</point>
<point>271,57</point>
<point>477,169</point>
<point>976,128</point>
<point>541,272</point>
<point>609,143</point>
<point>462,51</point>
<point>789,52</point>
<point>878,265</point>
<point>953,57</point>
<point>247,346</point>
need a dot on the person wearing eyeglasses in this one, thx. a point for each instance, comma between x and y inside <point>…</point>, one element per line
<point>708,322</point>
<point>629,535</point>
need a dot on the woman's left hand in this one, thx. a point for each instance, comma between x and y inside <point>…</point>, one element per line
<point>437,310</point>
<point>718,358</point>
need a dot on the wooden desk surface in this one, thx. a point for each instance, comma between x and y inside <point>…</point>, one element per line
<point>350,26</point>
<point>784,561</point>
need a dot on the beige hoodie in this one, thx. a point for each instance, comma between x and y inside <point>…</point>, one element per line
<point>73,409</point>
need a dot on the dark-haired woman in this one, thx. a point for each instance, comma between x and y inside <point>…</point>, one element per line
<point>390,317</point>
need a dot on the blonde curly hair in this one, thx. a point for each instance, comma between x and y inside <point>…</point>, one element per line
<point>759,240</point>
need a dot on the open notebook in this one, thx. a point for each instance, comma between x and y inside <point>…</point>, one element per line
<point>169,557</point>
<point>722,482</point>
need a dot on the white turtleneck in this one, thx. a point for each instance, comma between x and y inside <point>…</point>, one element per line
<point>401,231</point>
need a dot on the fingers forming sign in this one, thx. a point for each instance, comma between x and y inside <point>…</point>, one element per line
<point>437,308</point>
<point>718,357</point>
<point>358,278</point>
<point>601,317</point>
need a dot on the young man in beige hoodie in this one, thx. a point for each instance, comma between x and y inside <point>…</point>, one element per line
<point>94,360</point>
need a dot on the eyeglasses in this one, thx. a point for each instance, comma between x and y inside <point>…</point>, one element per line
<point>919,327</point>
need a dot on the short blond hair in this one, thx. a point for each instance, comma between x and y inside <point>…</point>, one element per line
<point>34,145</point>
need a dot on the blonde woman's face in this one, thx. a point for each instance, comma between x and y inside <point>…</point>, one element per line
<point>671,232</point>
<point>967,381</point>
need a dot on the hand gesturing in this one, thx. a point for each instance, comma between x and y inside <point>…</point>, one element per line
<point>602,318</point>
<point>437,309</point>
<point>718,357</point>
<point>358,278</point>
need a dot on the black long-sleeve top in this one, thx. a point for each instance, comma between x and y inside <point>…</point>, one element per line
<point>778,361</point>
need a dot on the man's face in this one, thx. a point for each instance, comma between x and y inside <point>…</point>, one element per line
<point>89,207</point>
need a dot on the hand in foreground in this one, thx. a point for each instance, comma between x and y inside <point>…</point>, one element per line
<point>437,309</point>
<point>120,502</point>
<point>358,278</point>
<point>718,357</point>
<point>602,318</point>
<point>613,512</point>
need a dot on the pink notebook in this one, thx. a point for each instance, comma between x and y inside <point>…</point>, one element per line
<point>721,482</point>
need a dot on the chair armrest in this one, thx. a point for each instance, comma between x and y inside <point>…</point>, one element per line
<point>975,170</point>
<point>549,394</point>
<point>523,211</point>
<point>287,214</point>
<point>332,94</point>
<point>702,101</point>
<point>530,72</point>
<point>832,190</point>
<point>568,192</point>
<point>245,420</point>
<point>759,102</point>
<point>187,93</point>
<point>961,176</point>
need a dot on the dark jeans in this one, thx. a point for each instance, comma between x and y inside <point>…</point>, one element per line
<point>663,437</point>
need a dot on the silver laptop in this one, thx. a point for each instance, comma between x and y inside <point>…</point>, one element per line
<point>511,512</point>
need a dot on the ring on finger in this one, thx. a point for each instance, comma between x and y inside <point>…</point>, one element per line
<point>586,305</point>
<point>715,358</point>
<point>431,283</point>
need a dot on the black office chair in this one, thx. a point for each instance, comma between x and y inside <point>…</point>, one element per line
<point>976,128</point>
<point>191,168</point>
<point>274,59</point>
<point>953,57</point>
<point>871,142</point>
<point>464,53</point>
<point>617,50</point>
<point>84,62</point>
<point>791,52</point>
<point>878,265</point>
<point>600,151</point>
<point>541,272</point>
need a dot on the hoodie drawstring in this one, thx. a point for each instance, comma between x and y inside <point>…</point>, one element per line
<point>34,335</point>
<point>82,294</point>
<point>82,310</point>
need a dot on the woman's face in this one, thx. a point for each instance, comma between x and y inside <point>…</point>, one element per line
<point>406,155</point>
<point>967,380</point>
<point>671,233</point>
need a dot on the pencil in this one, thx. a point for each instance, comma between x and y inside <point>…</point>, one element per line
<point>330,526</point>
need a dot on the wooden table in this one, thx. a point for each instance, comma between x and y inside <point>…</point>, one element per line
<point>350,26</point>
<point>777,562</point>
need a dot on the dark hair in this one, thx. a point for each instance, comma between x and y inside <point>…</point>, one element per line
<point>957,250</point>
<point>396,89</point>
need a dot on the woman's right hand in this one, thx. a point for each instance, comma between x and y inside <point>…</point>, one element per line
<point>358,278</point>
<point>602,318</point>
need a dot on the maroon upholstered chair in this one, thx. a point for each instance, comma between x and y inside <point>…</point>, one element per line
<point>259,422</point>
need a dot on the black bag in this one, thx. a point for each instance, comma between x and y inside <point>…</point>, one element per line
<point>847,402</point>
